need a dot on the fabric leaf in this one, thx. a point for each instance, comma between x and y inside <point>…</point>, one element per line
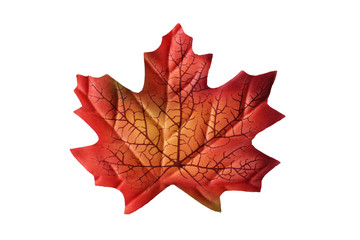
<point>176,130</point>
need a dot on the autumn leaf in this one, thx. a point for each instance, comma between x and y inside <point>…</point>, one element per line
<point>177,130</point>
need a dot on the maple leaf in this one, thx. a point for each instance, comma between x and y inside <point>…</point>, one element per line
<point>177,130</point>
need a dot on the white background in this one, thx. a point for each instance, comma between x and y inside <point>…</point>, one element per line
<point>314,45</point>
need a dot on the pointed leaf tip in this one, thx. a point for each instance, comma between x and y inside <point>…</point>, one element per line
<point>178,27</point>
<point>178,30</point>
